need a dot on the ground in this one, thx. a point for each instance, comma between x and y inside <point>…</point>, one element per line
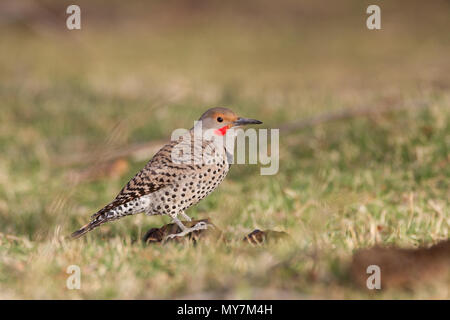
<point>342,185</point>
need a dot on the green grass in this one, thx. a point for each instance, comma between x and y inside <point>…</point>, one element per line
<point>341,186</point>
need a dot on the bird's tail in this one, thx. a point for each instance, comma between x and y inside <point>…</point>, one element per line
<point>87,227</point>
<point>97,219</point>
<point>112,211</point>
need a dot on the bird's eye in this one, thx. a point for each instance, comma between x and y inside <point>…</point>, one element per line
<point>219,119</point>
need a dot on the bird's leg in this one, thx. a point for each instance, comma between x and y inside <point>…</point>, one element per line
<point>185,216</point>
<point>178,222</point>
<point>184,231</point>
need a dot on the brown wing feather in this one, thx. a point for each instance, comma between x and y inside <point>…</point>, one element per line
<point>150,179</point>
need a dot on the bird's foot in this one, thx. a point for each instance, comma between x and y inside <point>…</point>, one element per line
<point>199,226</point>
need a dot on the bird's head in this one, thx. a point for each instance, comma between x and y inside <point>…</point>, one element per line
<point>222,119</point>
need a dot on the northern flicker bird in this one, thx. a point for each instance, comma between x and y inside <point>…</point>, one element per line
<point>179,175</point>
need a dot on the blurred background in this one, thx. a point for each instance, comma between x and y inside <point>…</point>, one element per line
<point>83,110</point>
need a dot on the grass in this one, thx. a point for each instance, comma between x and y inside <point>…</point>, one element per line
<point>341,186</point>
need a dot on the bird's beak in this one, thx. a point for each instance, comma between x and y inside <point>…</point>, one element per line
<point>243,121</point>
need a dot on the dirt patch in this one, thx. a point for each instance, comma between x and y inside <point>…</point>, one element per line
<point>403,268</point>
<point>156,235</point>
<point>258,236</point>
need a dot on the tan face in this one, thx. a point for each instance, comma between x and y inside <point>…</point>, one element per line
<point>217,118</point>
<point>223,119</point>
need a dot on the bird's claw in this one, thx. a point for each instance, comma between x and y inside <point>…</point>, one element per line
<point>199,226</point>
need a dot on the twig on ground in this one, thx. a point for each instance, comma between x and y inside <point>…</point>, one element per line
<point>347,114</point>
